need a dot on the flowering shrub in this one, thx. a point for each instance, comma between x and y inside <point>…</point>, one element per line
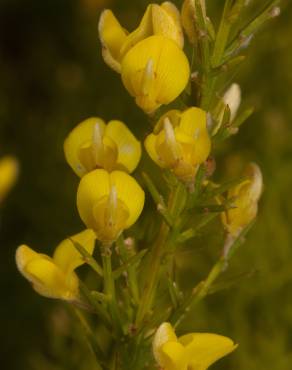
<point>137,299</point>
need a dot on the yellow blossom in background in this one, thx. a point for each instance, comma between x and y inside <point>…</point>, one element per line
<point>195,351</point>
<point>108,203</point>
<point>8,175</point>
<point>245,197</point>
<point>92,144</point>
<point>180,142</point>
<point>55,277</point>
<point>163,20</point>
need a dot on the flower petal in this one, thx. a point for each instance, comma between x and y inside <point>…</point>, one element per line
<point>189,20</point>
<point>203,349</point>
<point>164,334</point>
<point>46,277</point>
<point>92,188</point>
<point>150,146</point>
<point>66,255</point>
<point>144,30</point>
<point>170,72</point>
<point>112,37</point>
<point>194,124</point>
<point>173,356</point>
<point>77,138</point>
<point>23,256</point>
<point>166,22</point>
<point>129,148</point>
<point>130,193</point>
<point>49,280</point>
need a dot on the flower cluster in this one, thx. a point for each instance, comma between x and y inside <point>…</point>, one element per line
<point>155,70</point>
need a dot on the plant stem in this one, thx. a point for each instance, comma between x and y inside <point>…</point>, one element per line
<point>91,340</point>
<point>249,30</point>
<point>175,206</point>
<point>222,35</point>
<point>129,265</point>
<point>218,52</point>
<point>109,288</point>
<point>199,292</point>
<point>154,268</point>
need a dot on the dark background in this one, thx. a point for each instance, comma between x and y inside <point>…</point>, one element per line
<point>52,76</point>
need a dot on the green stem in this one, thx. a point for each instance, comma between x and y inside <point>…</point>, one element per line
<point>109,289</point>
<point>270,11</point>
<point>231,245</point>
<point>154,268</point>
<point>91,339</point>
<point>129,266</point>
<point>222,35</point>
<point>218,52</point>
<point>175,206</point>
<point>199,293</point>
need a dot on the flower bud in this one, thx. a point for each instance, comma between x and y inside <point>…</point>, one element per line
<point>188,16</point>
<point>246,196</point>
<point>55,277</point>
<point>92,144</point>
<point>232,98</point>
<point>108,203</point>
<point>180,142</point>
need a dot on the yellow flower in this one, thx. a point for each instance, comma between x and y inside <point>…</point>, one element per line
<point>163,20</point>
<point>246,196</point>
<point>93,144</point>
<point>195,351</point>
<point>153,66</point>
<point>8,175</point>
<point>155,72</point>
<point>108,203</point>
<point>55,277</point>
<point>180,142</point>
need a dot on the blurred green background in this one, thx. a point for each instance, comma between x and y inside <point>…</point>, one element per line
<point>52,76</point>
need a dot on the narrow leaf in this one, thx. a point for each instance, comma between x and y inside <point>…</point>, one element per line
<point>88,258</point>
<point>131,261</point>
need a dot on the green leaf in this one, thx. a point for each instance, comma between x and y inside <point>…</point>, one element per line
<point>210,194</point>
<point>192,232</point>
<point>131,261</point>
<point>232,281</point>
<point>247,32</point>
<point>88,258</point>
<point>158,199</point>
